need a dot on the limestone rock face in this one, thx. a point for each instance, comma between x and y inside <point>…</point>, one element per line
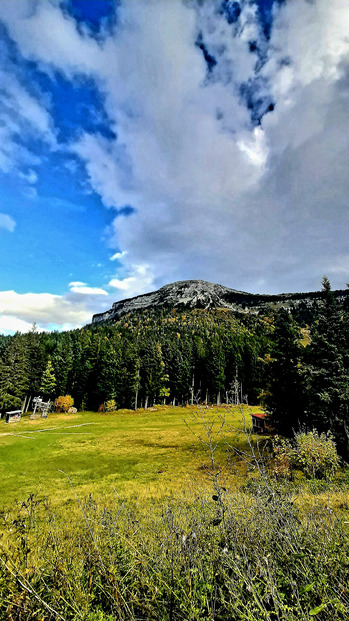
<point>190,294</point>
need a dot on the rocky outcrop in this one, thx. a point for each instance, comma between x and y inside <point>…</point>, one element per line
<point>190,294</point>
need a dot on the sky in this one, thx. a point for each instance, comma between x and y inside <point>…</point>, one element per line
<point>148,141</point>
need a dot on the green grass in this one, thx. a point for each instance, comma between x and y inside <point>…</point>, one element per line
<point>142,455</point>
<point>182,546</point>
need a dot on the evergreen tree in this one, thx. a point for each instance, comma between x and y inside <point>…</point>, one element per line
<point>14,372</point>
<point>284,398</point>
<point>109,372</point>
<point>133,378</point>
<point>48,380</point>
<point>36,355</point>
<point>327,369</point>
<point>216,368</point>
<point>154,375</point>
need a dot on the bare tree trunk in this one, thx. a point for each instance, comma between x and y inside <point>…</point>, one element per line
<point>26,403</point>
<point>347,434</point>
<point>146,402</point>
<point>219,397</point>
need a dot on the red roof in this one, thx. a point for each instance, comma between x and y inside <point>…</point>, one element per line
<point>261,415</point>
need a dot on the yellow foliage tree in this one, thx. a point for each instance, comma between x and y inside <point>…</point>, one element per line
<point>62,404</point>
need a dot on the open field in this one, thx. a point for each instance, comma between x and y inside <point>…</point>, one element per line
<point>179,547</point>
<point>142,455</point>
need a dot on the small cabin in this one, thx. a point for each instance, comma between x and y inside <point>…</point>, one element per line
<point>259,423</point>
<point>13,416</point>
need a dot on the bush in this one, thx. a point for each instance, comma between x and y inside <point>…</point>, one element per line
<point>316,454</point>
<point>62,404</point>
<point>110,405</point>
<point>283,457</point>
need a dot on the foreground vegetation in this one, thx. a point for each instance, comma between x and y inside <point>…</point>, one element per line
<point>221,537</point>
<point>237,558</point>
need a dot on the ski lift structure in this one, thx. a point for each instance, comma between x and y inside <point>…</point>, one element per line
<point>41,408</point>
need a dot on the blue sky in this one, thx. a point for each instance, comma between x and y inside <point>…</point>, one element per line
<point>147,142</point>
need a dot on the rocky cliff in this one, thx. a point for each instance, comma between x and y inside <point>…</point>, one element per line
<point>192,294</point>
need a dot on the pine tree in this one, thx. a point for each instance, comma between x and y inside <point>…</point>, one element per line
<point>284,398</point>
<point>216,368</point>
<point>327,369</point>
<point>35,348</point>
<point>14,372</point>
<point>109,372</point>
<point>48,380</point>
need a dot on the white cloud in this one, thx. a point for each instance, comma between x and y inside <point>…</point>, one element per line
<point>118,256</point>
<point>7,222</point>
<point>83,289</point>
<point>51,312</point>
<point>40,307</point>
<point>215,197</point>
<point>140,281</point>
<point>11,324</point>
<point>21,116</point>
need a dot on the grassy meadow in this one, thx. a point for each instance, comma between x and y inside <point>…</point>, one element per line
<point>151,528</point>
<point>141,455</point>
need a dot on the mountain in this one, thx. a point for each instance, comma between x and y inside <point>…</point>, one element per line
<point>190,294</point>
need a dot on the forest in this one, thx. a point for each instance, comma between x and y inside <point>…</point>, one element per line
<point>298,371</point>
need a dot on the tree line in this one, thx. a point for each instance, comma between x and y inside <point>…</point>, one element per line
<point>193,356</point>
<point>143,358</point>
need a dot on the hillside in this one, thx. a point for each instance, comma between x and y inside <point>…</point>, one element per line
<point>190,294</point>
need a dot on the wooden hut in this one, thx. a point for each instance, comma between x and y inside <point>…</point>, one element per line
<point>259,423</point>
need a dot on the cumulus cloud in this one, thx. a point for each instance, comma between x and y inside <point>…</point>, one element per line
<point>10,324</point>
<point>83,289</point>
<point>215,197</point>
<point>43,308</point>
<point>74,309</point>
<point>140,281</point>
<point>7,222</point>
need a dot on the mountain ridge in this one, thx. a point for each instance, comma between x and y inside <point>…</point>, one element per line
<point>191,294</point>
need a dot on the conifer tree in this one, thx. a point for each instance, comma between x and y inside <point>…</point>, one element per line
<point>284,398</point>
<point>14,370</point>
<point>48,380</point>
<point>327,369</point>
<point>109,372</point>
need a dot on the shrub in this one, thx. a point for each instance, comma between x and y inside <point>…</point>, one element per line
<point>313,453</point>
<point>283,457</point>
<point>316,454</point>
<point>62,404</point>
<point>110,405</point>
